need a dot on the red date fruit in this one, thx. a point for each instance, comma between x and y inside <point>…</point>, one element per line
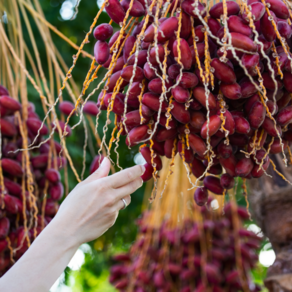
<point>251,100</point>
<point>267,26</point>
<point>133,119</point>
<point>90,108</point>
<point>35,125</point>
<point>198,168</point>
<point>180,113</point>
<point>103,32</point>
<point>10,103</point>
<point>164,134</point>
<point>229,165</point>
<point>284,29</point>
<point>237,24</point>
<point>214,25</point>
<point>188,7</point>
<point>12,167</point>
<point>231,91</point>
<point>257,171</point>
<point>101,52</point>
<point>186,55</point>
<point>152,101</point>
<point>115,11</point>
<point>149,72</point>
<point>66,107</point>
<point>201,196</point>
<point>180,94</point>
<point>96,163</point>
<point>287,80</point>
<point>137,9</point>
<point>168,147</point>
<point>211,127</point>
<point>241,41</point>
<point>137,134</point>
<point>166,29</point>
<point>157,55</point>
<point>188,80</point>
<point>128,72</point>
<point>272,129</point>
<point>284,100</point>
<point>147,175</point>
<point>197,120</point>
<point>185,153</point>
<point>213,184</point>
<point>217,10</point>
<point>224,150</point>
<point>223,72</point>
<point>257,115</point>
<point>241,125</point>
<point>248,89</point>
<point>141,58</point>
<point>201,96</point>
<point>284,116</point>
<point>257,11</point>
<point>52,175</point>
<point>7,128</point>
<point>146,153</point>
<point>243,167</point>
<point>12,187</point>
<point>186,26</point>
<point>276,147</point>
<point>150,31</point>
<point>215,169</point>
<point>227,181</point>
<point>56,191</point>
<point>156,86</point>
<point>279,8</point>
<point>4,227</point>
<point>197,144</point>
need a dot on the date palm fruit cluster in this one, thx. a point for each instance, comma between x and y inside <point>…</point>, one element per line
<point>29,180</point>
<point>194,257</point>
<point>184,247</point>
<point>211,82</point>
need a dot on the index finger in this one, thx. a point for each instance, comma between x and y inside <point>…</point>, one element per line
<point>125,176</point>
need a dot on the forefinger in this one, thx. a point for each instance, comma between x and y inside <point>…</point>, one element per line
<point>125,176</point>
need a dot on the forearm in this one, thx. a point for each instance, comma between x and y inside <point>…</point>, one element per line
<point>42,264</point>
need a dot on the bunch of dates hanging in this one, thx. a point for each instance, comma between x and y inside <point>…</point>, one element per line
<point>30,180</point>
<point>213,85</point>
<point>171,258</point>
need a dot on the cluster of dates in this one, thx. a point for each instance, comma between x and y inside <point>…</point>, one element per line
<point>176,262</point>
<point>21,211</point>
<point>247,108</point>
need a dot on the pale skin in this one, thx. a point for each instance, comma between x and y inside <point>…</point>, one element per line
<point>87,212</point>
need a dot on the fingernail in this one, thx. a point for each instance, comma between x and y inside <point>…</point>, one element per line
<point>142,168</point>
<point>103,162</point>
<point>141,183</point>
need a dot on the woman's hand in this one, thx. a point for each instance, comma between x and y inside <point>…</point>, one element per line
<point>94,204</point>
<point>88,211</point>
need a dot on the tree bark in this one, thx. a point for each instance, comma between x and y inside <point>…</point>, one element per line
<point>271,204</point>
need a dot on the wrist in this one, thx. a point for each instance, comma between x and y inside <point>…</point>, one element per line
<point>64,232</point>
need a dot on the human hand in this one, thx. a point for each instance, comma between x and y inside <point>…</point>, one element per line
<point>93,205</point>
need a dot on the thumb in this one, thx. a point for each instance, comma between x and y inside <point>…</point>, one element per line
<point>101,172</point>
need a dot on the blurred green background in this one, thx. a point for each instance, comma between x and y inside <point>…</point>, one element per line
<point>89,269</point>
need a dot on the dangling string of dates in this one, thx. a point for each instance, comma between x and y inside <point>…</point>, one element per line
<point>183,247</point>
<point>216,79</point>
<point>30,190</point>
<point>30,155</point>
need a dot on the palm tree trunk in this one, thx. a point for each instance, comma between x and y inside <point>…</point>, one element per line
<point>271,204</point>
